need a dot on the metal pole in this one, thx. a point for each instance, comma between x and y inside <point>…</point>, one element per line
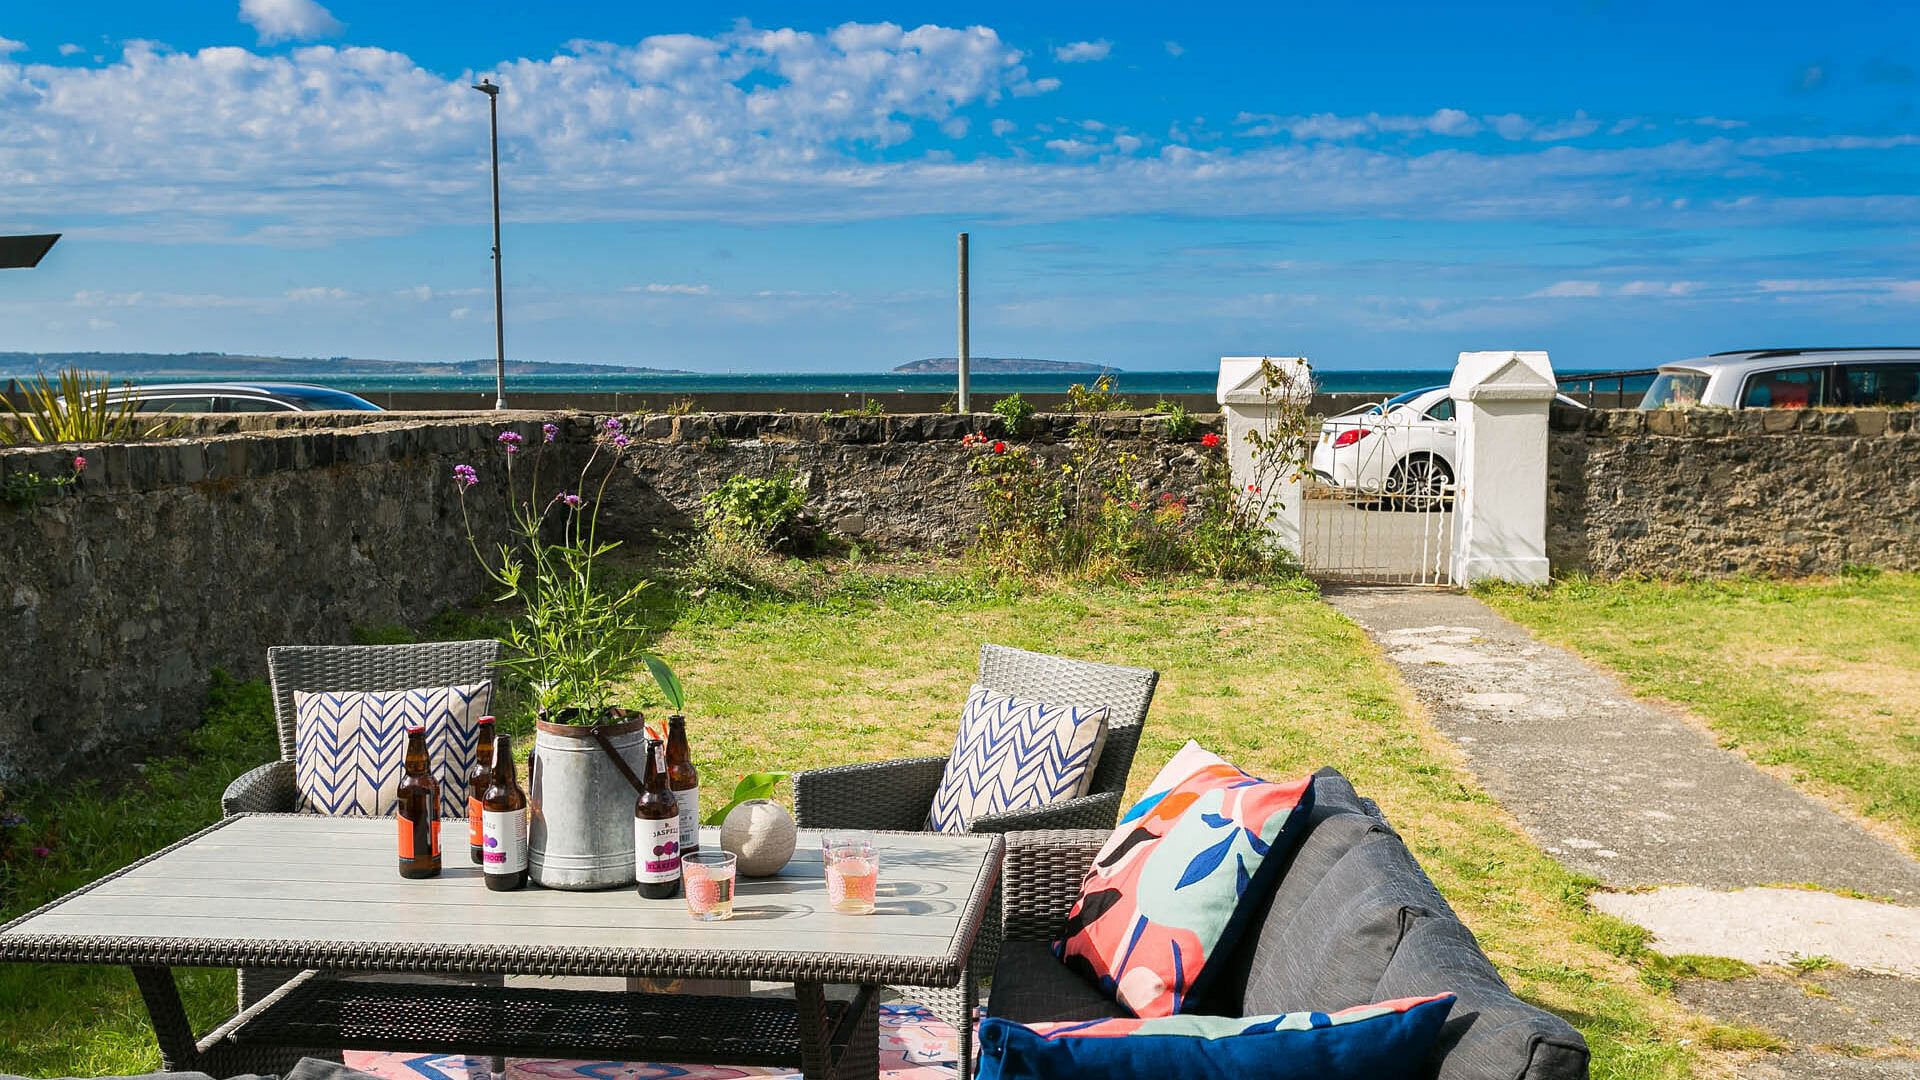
<point>961,358</point>
<point>487,87</point>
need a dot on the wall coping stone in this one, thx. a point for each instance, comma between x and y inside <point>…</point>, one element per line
<point>1721,423</point>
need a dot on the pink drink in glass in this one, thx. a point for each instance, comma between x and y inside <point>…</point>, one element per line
<point>853,873</point>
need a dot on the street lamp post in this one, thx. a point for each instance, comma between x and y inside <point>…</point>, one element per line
<point>487,87</point>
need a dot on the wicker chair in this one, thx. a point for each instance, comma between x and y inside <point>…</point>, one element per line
<point>899,794</point>
<point>291,668</point>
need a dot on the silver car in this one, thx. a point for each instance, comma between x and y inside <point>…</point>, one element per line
<point>238,398</point>
<point>1789,379</point>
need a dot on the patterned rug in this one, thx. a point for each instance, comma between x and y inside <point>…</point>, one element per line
<point>914,1045</point>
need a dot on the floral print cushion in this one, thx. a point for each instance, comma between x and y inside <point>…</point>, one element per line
<point>1177,882</point>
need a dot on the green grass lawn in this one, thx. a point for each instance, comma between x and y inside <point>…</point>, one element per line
<point>850,664</point>
<point>1815,678</point>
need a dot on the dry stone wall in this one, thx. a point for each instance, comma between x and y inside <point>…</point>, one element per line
<point>1706,493</point>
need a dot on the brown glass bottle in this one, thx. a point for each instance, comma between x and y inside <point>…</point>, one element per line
<point>478,778</point>
<point>684,779</point>
<point>656,830</point>
<point>417,806</point>
<point>503,822</point>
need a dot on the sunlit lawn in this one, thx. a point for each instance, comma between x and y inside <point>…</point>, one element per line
<point>849,664</point>
<point>1816,678</point>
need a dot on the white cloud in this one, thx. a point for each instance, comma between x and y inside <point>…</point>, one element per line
<point>8,46</point>
<point>1004,127</point>
<point>1082,52</point>
<point>660,288</point>
<point>1563,290</point>
<point>288,20</point>
<point>1332,127</point>
<point>1071,147</point>
<point>70,49</point>
<point>1717,122</point>
<point>1174,48</point>
<point>1127,144</point>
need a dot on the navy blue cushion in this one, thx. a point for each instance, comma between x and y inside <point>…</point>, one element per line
<point>1386,1041</point>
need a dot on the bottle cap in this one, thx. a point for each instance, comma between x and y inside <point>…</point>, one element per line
<point>486,720</point>
<point>416,729</point>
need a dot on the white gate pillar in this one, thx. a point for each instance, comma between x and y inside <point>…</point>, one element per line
<point>1248,404</point>
<point>1500,513</point>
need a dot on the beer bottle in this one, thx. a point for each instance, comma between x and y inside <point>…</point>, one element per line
<point>418,809</point>
<point>503,822</point>
<point>684,779</point>
<point>656,830</point>
<point>478,778</point>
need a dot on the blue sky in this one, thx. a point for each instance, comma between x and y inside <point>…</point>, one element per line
<point>777,188</point>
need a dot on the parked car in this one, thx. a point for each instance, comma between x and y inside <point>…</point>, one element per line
<point>1789,379</point>
<point>237,398</point>
<point>1401,450</point>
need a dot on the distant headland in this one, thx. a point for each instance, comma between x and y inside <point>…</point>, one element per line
<point>1001,365</point>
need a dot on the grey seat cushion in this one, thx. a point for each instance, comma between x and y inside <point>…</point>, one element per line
<point>1490,1033</point>
<point>1031,985</point>
<point>1329,950</point>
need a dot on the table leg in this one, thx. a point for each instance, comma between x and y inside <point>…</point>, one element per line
<point>171,1028</point>
<point>816,1049</point>
<point>860,1059</point>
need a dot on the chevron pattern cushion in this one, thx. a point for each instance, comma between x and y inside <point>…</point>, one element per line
<point>1016,754</point>
<point>349,747</point>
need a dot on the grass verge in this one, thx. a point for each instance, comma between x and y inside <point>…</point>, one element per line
<point>1813,678</point>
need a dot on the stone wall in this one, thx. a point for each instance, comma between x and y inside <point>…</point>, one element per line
<point>1704,493</point>
<point>172,558</point>
<point>884,481</point>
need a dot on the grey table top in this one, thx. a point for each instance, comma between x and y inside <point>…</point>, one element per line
<point>282,890</point>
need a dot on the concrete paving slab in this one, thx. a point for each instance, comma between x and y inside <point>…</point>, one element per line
<point>1806,1065</point>
<point>1829,1008</point>
<point>1774,926</point>
<point>1622,789</point>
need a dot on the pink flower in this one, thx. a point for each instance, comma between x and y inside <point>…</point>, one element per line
<point>1210,439</point>
<point>43,851</point>
<point>465,476</point>
<point>548,432</point>
<point>79,463</point>
<point>621,442</point>
<point>509,441</point>
<point>571,500</point>
<point>612,425</point>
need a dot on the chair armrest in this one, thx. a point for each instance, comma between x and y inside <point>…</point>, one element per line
<point>1041,879</point>
<point>872,795</point>
<point>1100,811</point>
<point>266,789</point>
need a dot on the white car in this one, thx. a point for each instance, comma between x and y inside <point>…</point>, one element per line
<point>1401,448</point>
<point>1400,451</point>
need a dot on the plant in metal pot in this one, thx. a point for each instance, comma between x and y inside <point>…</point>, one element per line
<point>571,638</point>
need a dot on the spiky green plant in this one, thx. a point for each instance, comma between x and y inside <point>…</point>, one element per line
<point>73,407</point>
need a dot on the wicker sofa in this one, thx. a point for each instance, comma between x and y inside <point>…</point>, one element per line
<point>1353,920</point>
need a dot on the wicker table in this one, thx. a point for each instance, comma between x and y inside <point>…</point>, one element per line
<point>322,896</point>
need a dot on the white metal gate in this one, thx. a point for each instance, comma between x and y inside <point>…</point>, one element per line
<point>1378,508</point>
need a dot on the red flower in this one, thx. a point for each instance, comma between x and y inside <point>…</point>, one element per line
<point>1255,488</point>
<point>1210,439</point>
<point>966,440</point>
<point>999,447</point>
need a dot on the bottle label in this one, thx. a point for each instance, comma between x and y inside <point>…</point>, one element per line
<point>504,841</point>
<point>407,832</point>
<point>656,849</point>
<point>476,834</point>
<point>689,800</point>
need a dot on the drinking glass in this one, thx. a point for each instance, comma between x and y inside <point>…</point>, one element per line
<point>707,877</point>
<point>853,871</point>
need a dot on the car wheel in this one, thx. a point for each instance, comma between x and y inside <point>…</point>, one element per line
<point>1420,482</point>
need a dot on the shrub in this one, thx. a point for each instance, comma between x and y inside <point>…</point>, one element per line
<point>73,408</point>
<point>1180,424</point>
<point>757,512</point>
<point>1015,412</point>
<point>1100,398</point>
<point>868,407</point>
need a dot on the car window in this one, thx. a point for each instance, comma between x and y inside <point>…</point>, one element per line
<point>175,405</point>
<point>1878,384</point>
<point>1790,388</point>
<point>251,404</point>
<point>1442,410</point>
<point>1675,390</point>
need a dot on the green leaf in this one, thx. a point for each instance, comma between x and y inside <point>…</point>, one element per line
<point>752,786</point>
<point>669,682</point>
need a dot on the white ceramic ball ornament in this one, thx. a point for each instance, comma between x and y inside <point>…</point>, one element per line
<point>761,836</point>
